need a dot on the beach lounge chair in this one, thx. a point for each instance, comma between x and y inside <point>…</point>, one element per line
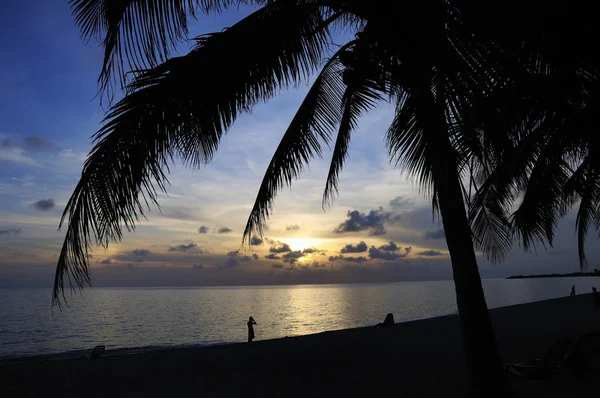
<point>96,352</point>
<point>566,354</point>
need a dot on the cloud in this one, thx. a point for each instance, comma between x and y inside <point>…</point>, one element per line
<point>281,248</point>
<point>381,254</point>
<point>141,252</point>
<point>230,263</point>
<point>198,266</point>
<point>44,204</point>
<point>36,143</point>
<point>435,234</point>
<point>353,267</point>
<point>10,231</point>
<point>277,266</point>
<point>255,256</point>
<point>203,229</point>
<point>390,247</point>
<point>359,248</point>
<point>189,248</point>
<point>291,257</point>
<point>233,254</point>
<point>400,202</point>
<point>273,256</point>
<point>224,230</point>
<point>294,227</point>
<point>256,241</point>
<point>359,259</point>
<point>245,258</point>
<point>309,250</point>
<point>430,252</point>
<point>371,221</point>
<point>106,261</point>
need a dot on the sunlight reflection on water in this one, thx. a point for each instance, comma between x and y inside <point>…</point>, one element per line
<point>143,317</point>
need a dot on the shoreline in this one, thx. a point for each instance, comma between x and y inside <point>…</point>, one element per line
<point>414,358</point>
<point>125,351</point>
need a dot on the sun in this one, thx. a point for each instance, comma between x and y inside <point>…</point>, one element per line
<point>302,243</point>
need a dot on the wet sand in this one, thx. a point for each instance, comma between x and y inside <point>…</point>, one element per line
<point>414,359</point>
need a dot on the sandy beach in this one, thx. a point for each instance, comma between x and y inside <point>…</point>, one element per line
<point>414,359</point>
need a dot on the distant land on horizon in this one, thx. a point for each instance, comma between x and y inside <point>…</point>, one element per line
<point>595,272</point>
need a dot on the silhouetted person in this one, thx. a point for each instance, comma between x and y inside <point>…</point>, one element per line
<point>572,290</point>
<point>388,321</point>
<point>596,298</point>
<point>251,324</point>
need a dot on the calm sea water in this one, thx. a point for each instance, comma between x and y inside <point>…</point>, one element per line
<point>163,317</point>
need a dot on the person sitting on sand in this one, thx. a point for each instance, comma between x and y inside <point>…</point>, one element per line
<point>251,322</point>
<point>596,298</point>
<point>388,321</point>
<point>572,290</point>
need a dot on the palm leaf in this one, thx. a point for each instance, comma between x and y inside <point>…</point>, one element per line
<point>317,117</point>
<point>182,108</point>
<point>139,34</point>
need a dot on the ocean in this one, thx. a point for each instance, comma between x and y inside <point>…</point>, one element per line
<point>151,318</point>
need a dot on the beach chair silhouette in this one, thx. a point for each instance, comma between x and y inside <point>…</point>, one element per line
<point>565,355</point>
<point>96,352</point>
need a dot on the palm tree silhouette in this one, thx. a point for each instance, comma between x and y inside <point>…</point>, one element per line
<point>446,66</point>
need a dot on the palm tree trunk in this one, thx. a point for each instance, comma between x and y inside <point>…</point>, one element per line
<point>487,377</point>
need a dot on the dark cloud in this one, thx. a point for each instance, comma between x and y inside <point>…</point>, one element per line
<point>256,241</point>
<point>255,256</point>
<point>6,143</point>
<point>359,259</point>
<point>233,254</point>
<point>224,230</point>
<point>44,204</point>
<point>273,256</point>
<point>431,253</point>
<point>141,252</point>
<point>390,247</point>
<point>294,227</point>
<point>371,221</point>
<point>106,261</point>
<point>281,248</point>
<point>309,250</point>
<point>435,234</point>
<point>375,253</point>
<point>198,266</point>
<point>10,231</point>
<point>277,266</point>
<point>36,143</point>
<point>203,229</point>
<point>316,264</point>
<point>361,247</point>
<point>292,256</point>
<point>189,248</point>
<point>400,203</point>
<point>245,258</point>
<point>353,267</point>
<point>230,263</point>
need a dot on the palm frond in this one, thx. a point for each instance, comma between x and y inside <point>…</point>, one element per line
<point>318,115</point>
<point>181,108</point>
<point>139,34</point>
<point>362,94</point>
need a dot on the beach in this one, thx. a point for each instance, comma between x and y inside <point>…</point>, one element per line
<point>413,359</point>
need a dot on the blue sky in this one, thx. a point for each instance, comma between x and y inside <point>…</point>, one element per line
<point>49,109</point>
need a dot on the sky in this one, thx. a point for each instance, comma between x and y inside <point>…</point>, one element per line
<point>379,229</point>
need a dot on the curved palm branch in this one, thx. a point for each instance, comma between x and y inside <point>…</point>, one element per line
<point>139,34</point>
<point>363,88</point>
<point>177,109</point>
<point>315,120</point>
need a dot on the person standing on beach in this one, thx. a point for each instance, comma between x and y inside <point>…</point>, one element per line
<point>251,324</point>
<point>573,291</point>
